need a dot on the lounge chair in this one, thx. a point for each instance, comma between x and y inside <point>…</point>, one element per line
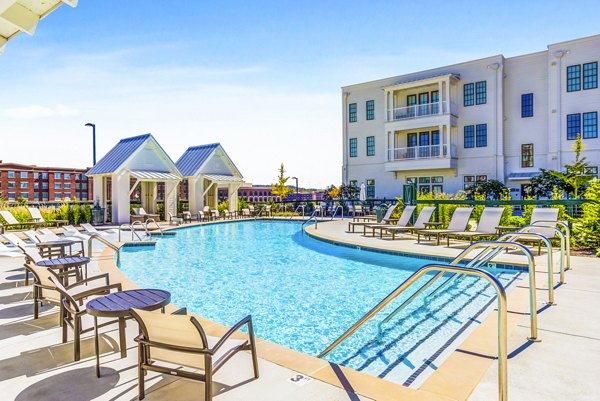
<point>76,316</point>
<point>186,216</point>
<point>488,223</point>
<point>90,229</point>
<point>36,215</point>
<point>49,235</point>
<point>181,340</point>
<point>32,235</point>
<point>201,216</point>
<point>16,241</point>
<point>386,220</point>
<point>214,214</point>
<point>246,213</point>
<point>420,223</point>
<point>10,252</point>
<point>174,219</point>
<point>12,222</point>
<point>458,222</point>
<point>139,214</point>
<point>547,218</point>
<point>252,210</point>
<point>70,231</point>
<point>404,220</point>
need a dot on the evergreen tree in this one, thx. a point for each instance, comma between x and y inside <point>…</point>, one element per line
<point>575,175</point>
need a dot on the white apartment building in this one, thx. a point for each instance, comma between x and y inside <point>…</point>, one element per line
<point>494,118</point>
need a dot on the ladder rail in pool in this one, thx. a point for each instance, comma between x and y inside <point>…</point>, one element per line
<point>566,234</point>
<point>314,217</point>
<point>296,211</point>
<point>338,207</point>
<point>151,220</point>
<point>441,269</point>
<point>105,242</point>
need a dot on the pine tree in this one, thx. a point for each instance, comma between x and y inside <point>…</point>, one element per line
<point>575,174</point>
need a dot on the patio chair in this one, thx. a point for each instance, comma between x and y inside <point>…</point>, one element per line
<point>32,235</point>
<point>139,214</point>
<point>246,213</point>
<point>70,231</point>
<point>214,214</point>
<point>420,223</point>
<point>10,252</point>
<point>36,216</point>
<point>358,210</point>
<point>548,217</point>
<point>458,222</point>
<point>75,315</point>
<point>16,241</point>
<point>90,229</point>
<point>386,220</point>
<point>181,340</point>
<point>403,221</point>
<point>174,219</point>
<point>186,216</point>
<point>488,223</point>
<point>252,210</point>
<point>49,235</point>
<point>201,216</point>
<point>12,222</point>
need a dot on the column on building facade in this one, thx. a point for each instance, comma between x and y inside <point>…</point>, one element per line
<point>120,197</point>
<point>171,197</point>
<point>448,95</point>
<point>233,196</point>
<point>441,98</point>
<point>443,140</point>
<point>196,193</point>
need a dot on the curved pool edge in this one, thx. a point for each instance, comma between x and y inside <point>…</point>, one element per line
<point>448,382</point>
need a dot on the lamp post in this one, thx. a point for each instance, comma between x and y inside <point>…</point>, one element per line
<point>93,138</point>
<point>295,178</point>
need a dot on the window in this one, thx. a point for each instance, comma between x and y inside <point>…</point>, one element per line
<point>57,185</point>
<point>481,178</point>
<point>67,195</point>
<point>469,94</point>
<point>57,195</point>
<point>11,174</point>
<point>84,185</point>
<point>24,185</point>
<point>590,125</point>
<point>11,196</point>
<point>481,135</point>
<point>67,176</point>
<point>370,146</point>
<point>36,176</point>
<point>527,105</point>
<point>45,196</point>
<point>24,195</point>
<point>44,176</point>
<point>57,176</point>
<point>36,195</point>
<point>353,147</point>
<point>590,76</point>
<point>481,92</point>
<point>77,185</point>
<point>78,176</point>
<point>370,109</point>
<point>67,185</point>
<point>84,196</point>
<point>36,185</point>
<point>11,184</point>
<point>411,140</point>
<point>352,112</point>
<point>573,126</point>
<point>573,78</point>
<point>44,185</point>
<point>24,175</point>
<point>370,188</point>
<point>593,171</point>
<point>469,136</point>
<point>527,155</point>
<point>354,183</point>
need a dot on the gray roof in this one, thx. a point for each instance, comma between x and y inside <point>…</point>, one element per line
<point>194,157</point>
<point>422,78</point>
<point>118,155</point>
<point>523,176</point>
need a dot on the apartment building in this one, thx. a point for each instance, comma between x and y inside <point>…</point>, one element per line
<point>43,184</point>
<point>498,117</point>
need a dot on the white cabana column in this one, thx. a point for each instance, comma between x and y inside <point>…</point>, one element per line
<point>196,194</point>
<point>120,197</point>
<point>232,192</point>
<point>171,197</point>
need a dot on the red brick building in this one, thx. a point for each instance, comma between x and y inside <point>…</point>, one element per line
<point>43,184</point>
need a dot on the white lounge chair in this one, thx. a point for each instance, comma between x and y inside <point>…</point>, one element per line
<point>488,223</point>
<point>545,220</point>
<point>36,215</point>
<point>403,221</point>
<point>70,231</point>
<point>11,220</point>
<point>90,229</point>
<point>16,241</point>
<point>10,252</point>
<point>458,222</point>
<point>48,235</point>
<point>420,223</point>
<point>386,220</point>
<point>32,235</point>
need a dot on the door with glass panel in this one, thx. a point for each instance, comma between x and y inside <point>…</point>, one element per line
<point>435,99</point>
<point>423,104</point>
<point>424,144</point>
<point>411,145</point>
<point>411,103</point>
<point>435,144</point>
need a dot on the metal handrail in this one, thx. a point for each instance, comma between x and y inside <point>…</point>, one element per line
<point>502,311</point>
<point>491,250</point>
<point>312,216</point>
<point>563,245</point>
<point>567,235</point>
<point>284,206</point>
<point>125,225</point>
<point>296,210</point>
<point>338,207</point>
<point>105,242</point>
<point>131,228</point>
<point>151,220</point>
<point>133,232</point>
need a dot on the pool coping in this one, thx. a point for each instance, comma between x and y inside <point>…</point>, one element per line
<point>455,378</point>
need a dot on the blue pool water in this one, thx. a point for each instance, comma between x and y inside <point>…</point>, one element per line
<point>303,293</point>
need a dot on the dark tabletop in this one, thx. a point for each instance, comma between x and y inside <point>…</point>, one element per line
<point>119,304</point>
<point>70,261</point>
<point>62,242</point>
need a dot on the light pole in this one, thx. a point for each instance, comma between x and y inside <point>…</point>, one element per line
<point>93,138</point>
<point>295,178</point>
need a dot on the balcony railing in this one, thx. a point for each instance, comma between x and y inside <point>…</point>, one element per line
<point>418,152</point>
<point>418,110</point>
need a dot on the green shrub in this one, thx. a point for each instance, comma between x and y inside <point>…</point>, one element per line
<point>515,221</point>
<point>63,212</point>
<point>221,207</point>
<point>87,213</point>
<point>589,227</point>
<point>76,211</point>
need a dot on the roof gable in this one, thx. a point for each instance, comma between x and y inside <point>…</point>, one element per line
<point>200,158</point>
<point>118,155</point>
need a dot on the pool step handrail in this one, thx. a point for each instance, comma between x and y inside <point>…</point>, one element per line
<point>134,232</point>
<point>105,242</point>
<point>282,206</point>
<point>296,211</point>
<point>566,234</point>
<point>338,207</point>
<point>131,228</point>
<point>314,217</point>
<point>442,269</point>
<point>158,227</point>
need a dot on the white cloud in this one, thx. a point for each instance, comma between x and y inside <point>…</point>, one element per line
<point>37,111</point>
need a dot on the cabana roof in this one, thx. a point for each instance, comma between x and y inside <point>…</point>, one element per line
<point>126,151</point>
<point>200,160</point>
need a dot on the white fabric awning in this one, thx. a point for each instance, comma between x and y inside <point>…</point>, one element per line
<point>154,176</point>
<point>223,178</point>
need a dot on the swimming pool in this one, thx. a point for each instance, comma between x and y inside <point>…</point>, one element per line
<point>303,293</point>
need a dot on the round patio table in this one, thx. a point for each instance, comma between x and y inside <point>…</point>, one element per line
<point>63,264</point>
<point>119,305</point>
<point>47,248</point>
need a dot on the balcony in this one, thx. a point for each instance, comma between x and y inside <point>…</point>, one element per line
<point>421,158</point>
<point>421,110</point>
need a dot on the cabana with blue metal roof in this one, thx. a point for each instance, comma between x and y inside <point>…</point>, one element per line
<point>208,168</point>
<point>139,160</point>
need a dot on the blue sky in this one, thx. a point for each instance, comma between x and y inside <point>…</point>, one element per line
<point>261,77</point>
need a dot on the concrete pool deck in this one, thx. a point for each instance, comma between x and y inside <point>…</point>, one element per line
<point>35,365</point>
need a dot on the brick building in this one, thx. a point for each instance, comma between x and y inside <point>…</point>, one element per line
<point>43,184</point>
